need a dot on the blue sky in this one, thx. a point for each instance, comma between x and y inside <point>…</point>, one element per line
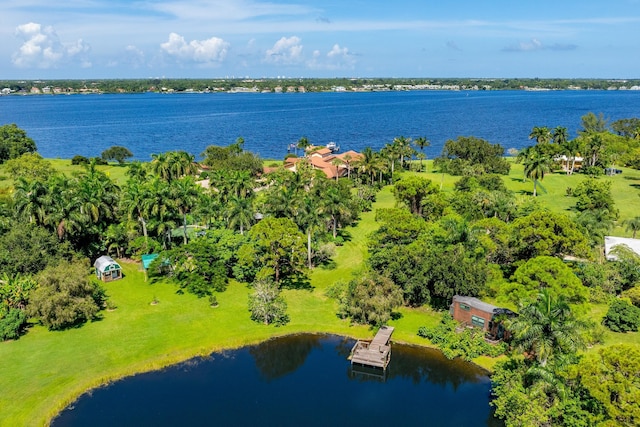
<point>49,39</point>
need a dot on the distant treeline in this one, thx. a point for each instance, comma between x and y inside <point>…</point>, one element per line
<point>306,85</point>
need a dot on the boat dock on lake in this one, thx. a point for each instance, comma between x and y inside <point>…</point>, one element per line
<point>375,353</point>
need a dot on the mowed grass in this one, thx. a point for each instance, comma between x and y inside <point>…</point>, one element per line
<point>44,371</point>
<point>118,173</point>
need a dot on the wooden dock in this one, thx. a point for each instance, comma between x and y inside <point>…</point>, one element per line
<point>375,353</point>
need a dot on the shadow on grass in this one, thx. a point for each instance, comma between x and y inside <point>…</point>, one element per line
<point>329,264</point>
<point>298,282</point>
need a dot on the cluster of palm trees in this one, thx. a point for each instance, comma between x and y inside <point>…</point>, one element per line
<point>75,209</point>
<point>316,204</point>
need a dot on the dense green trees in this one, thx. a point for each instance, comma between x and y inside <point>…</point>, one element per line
<point>65,296</point>
<point>370,299</point>
<point>471,155</point>
<point>14,142</point>
<point>117,153</point>
<point>612,378</point>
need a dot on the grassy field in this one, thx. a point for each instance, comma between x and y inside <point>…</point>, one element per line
<point>44,371</point>
<point>114,171</point>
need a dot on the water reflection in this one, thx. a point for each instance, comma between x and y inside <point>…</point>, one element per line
<point>293,381</point>
<point>278,357</point>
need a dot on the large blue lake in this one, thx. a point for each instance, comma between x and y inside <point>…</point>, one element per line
<point>302,380</point>
<point>64,126</point>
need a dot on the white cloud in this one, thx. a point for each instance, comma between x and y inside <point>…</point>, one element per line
<point>337,58</point>
<point>285,51</point>
<point>209,51</point>
<point>42,48</point>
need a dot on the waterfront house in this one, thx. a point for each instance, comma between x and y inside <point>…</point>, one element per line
<point>472,312</point>
<point>107,269</point>
<point>333,165</point>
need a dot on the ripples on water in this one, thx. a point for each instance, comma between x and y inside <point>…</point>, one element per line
<point>64,126</point>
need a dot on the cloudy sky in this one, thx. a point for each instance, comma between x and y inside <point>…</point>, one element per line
<point>319,38</point>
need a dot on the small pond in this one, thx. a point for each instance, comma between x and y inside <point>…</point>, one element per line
<point>301,380</point>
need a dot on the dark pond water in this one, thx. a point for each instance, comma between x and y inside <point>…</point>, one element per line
<point>302,380</point>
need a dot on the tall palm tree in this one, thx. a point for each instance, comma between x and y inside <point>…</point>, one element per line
<point>422,142</point>
<point>595,147</point>
<point>335,205</point>
<point>161,166</point>
<point>310,218</point>
<point>367,163</point>
<point>29,200</point>
<point>347,159</point>
<point>392,153</point>
<point>403,148</point>
<point>541,134</point>
<point>632,224</point>
<point>546,329</point>
<point>134,202</point>
<point>240,212</point>
<point>185,194</point>
<point>303,143</point>
<point>571,148</point>
<point>535,167</point>
<point>559,135</point>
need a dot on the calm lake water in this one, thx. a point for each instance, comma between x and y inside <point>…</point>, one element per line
<point>303,380</point>
<point>64,126</point>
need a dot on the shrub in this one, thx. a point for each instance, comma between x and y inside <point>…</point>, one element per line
<point>79,160</point>
<point>468,344</point>
<point>622,317</point>
<point>267,305</point>
<point>66,296</point>
<point>12,323</point>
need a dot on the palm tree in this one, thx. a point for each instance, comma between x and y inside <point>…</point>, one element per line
<point>29,200</point>
<point>347,159</point>
<point>535,167</point>
<point>240,212</point>
<point>571,148</point>
<point>541,134</point>
<point>422,142</point>
<point>403,148</point>
<point>632,224</point>
<point>559,135</point>
<point>303,143</point>
<point>546,329</point>
<point>335,204</point>
<point>133,203</point>
<point>161,166</point>
<point>185,194</point>
<point>367,163</point>
<point>309,219</point>
<point>595,147</point>
<point>337,162</point>
<point>392,152</point>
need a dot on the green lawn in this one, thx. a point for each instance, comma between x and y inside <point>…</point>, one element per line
<point>44,371</point>
<point>113,170</point>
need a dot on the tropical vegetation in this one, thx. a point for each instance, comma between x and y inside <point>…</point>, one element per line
<point>389,243</point>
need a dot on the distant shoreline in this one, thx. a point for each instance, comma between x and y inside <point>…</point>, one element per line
<point>341,85</point>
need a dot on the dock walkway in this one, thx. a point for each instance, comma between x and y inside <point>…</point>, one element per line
<point>375,353</point>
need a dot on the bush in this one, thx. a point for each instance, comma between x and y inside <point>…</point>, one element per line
<point>468,344</point>
<point>12,322</point>
<point>66,296</point>
<point>622,317</point>
<point>267,305</point>
<point>79,160</point>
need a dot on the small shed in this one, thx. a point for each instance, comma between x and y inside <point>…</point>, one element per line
<point>473,312</point>
<point>107,269</point>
